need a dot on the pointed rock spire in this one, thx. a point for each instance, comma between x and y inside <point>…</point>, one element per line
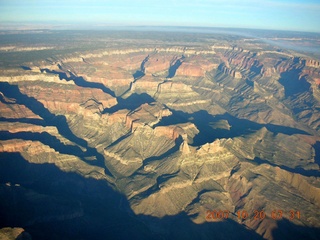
<point>184,148</point>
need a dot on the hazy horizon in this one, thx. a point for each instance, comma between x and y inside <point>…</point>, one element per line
<point>286,15</point>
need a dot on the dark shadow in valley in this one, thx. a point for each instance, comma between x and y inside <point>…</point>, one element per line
<point>59,121</point>
<point>81,82</point>
<point>69,207</point>
<point>316,147</point>
<point>292,83</point>
<point>298,170</point>
<point>51,204</point>
<point>250,83</point>
<point>140,73</point>
<point>288,230</point>
<point>180,227</point>
<point>238,127</point>
<point>24,236</point>
<point>165,177</point>
<point>173,68</point>
<point>131,103</point>
<point>137,75</point>
<point>256,69</point>
<point>25,68</point>
<point>119,139</point>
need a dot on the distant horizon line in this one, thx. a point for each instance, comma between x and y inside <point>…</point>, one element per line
<point>29,26</point>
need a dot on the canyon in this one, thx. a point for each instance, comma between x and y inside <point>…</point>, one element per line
<point>142,134</point>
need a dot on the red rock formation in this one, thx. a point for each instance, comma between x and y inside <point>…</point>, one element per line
<point>191,70</point>
<point>312,63</point>
<point>110,81</point>
<point>175,86</point>
<point>232,72</point>
<point>16,111</point>
<point>14,128</point>
<point>237,59</point>
<point>312,72</point>
<point>33,147</point>
<point>158,63</point>
<point>243,61</point>
<point>172,132</point>
<point>147,84</point>
<point>71,99</point>
<point>149,114</point>
<point>195,66</point>
<point>119,116</point>
<point>268,71</point>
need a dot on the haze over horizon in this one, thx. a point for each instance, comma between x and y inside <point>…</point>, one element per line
<point>297,15</point>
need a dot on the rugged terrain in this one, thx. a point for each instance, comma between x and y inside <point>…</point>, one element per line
<point>143,134</point>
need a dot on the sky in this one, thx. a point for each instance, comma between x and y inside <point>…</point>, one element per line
<point>296,15</point>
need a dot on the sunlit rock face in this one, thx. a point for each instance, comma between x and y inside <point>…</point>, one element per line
<point>154,135</point>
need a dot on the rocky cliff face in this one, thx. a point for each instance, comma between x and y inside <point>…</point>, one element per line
<point>162,132</point>
<point>14,233</point>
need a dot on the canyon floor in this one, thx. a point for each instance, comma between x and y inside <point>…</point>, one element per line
<point>159,134</point>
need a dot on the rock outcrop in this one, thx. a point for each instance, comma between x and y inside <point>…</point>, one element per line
<point>8,233</point>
